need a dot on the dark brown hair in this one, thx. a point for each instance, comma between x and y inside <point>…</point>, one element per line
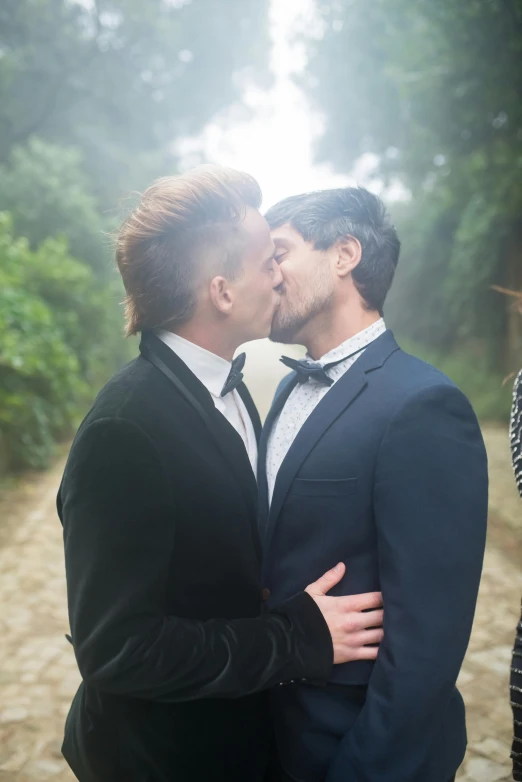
<point>181,225</point>
<point>324,217</point>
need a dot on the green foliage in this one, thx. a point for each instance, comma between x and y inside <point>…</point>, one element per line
<point>47,192</point>
<point>121,80</point>
<point>442,295</point>
<point>433,89</point>
<point>425,85</point>
<point>58,336</point>
<point>93,96</point>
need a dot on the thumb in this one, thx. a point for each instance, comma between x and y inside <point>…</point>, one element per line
<point>327,581</point>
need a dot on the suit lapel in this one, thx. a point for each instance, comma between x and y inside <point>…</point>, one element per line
<point>251,409</point>
<point>348,388</point>
<point>277,406</point>
<point>225,437</point>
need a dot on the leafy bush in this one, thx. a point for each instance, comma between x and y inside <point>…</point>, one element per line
<point>59,337</point>
<point>451,256</point>
<point>44,188</point>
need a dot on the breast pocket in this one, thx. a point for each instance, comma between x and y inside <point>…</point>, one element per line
<point>324,487</point>
<point>317,528</point>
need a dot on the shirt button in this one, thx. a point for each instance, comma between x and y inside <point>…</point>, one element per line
<point>265,594</point>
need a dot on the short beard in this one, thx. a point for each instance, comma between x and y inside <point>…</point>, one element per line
<point>287,328</point>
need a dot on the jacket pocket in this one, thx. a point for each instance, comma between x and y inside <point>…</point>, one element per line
<point>324,487</point>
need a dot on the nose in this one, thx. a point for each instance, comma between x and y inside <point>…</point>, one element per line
<point>277,277</point>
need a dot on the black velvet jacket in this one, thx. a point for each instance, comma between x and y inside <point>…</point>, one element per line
<point>158,503</point>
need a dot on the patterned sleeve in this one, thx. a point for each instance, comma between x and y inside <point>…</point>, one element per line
<point>515,433</point>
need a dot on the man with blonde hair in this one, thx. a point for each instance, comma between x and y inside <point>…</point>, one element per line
<point>159,509</point>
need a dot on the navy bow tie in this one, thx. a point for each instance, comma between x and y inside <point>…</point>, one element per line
<point>307,369</point>
<point>235,376</point>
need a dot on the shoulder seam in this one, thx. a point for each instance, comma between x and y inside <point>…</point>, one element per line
<point>416,395</point>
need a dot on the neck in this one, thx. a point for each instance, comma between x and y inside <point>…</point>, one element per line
<point>336,328</point>
<point>213,339</point>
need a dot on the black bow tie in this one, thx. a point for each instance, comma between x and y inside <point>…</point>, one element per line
<point>235,376</point>
<point>307,369</point>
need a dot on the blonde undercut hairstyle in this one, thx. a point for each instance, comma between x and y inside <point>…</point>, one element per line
<point>182,227</point>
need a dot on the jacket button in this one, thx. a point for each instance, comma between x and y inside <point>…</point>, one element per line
<point>265,594</point>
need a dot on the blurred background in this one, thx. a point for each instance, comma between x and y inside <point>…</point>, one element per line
<point>420,102</point>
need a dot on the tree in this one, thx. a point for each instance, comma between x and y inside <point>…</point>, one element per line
<point>122,79</point>
<point>434,90</point>
<point>47,192</point>
<point>93,95</point>
<point>60,333</point>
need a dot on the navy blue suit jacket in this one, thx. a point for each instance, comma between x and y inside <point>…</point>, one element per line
<point>388,475</point>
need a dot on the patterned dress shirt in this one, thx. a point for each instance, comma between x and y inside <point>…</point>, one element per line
<point>305,397</point>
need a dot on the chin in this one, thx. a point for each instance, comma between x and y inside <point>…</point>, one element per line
<point>287,332</point>
<point>283,336</point>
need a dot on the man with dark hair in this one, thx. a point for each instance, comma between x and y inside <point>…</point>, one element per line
<point>159,503</point>
<point>373,457</point>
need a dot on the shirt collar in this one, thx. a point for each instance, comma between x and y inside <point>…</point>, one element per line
<point>210,369</point>
<point>357,342</point>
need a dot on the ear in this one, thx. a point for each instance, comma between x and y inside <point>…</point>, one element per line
<point>349,253</point>
<point>221,295</point>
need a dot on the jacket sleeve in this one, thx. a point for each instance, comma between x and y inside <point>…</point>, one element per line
<point>515,432</point>
<point>515,688</point>
<point>515,684</point>
<point>120,532</point>
<point>430,504</point>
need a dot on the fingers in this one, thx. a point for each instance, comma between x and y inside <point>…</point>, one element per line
<point>367,653</point>
<point>366,619</point>
<point>346,654</point>
<point>366,601</point>
<point>354,646</point>
<point>327,581</point>
<point>368,637</point>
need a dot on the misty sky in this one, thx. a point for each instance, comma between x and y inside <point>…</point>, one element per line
<point>276,144</point>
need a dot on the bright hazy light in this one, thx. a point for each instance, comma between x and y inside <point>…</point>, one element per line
<point>274,144</point>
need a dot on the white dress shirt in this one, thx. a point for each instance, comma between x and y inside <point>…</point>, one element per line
<point>212,371</point>
<point>305,397</point>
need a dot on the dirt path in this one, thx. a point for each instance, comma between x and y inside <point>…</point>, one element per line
<point>38,674</point>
